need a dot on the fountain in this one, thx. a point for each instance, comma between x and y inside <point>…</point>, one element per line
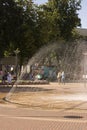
<point>49,95</point>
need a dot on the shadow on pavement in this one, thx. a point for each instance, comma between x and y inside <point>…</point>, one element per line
<point>24,89</point>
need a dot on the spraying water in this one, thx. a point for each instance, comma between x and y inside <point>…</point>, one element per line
<point>64,56</point>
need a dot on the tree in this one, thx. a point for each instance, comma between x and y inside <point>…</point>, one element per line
<point>68,20</point>
<point>26,41</point>
<point>27,26</point>
<point>10,23</point>
<point>57,19</point>
<point>47,23</point>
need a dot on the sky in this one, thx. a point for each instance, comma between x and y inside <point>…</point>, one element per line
<point>82,12</point>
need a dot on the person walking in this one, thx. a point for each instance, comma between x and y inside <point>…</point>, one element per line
<point>9,78</point>
<point>63,77</point>
<point>59,77</point>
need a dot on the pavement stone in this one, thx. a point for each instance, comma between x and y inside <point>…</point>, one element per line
<point>14,117</point>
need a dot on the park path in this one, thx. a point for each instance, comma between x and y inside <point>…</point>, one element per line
<point>16,117</point>
<point>13,118</point>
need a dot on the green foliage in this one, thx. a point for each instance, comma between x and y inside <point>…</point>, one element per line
<point>10,22</point>
<point>27,26</point>
<point>66,15</point>
<point>47,20</point>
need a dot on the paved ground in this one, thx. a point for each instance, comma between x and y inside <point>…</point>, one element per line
<point>12,118</point>
<point>72,117</point>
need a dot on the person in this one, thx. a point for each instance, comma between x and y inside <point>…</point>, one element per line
<point>63,77</point>
<point>31,76</point>
<point>59,77</point>
<point>9,78</point>
<point>4,76</point>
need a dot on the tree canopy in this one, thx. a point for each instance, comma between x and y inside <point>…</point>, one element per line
<point>27,26</point>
